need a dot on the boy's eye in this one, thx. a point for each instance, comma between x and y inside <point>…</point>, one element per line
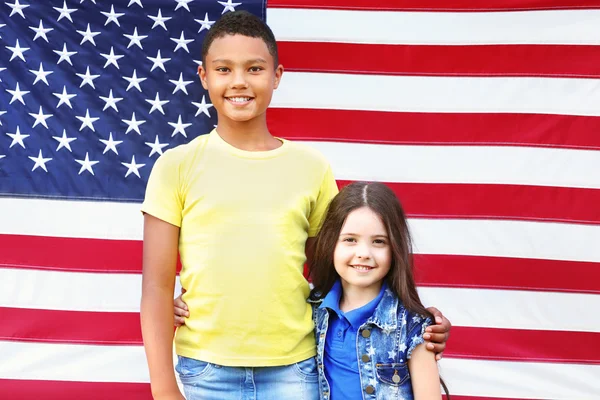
<point>222,69</point>
<point>256,69</point>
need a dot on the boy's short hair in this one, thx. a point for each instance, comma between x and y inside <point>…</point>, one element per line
<point>241,23</point>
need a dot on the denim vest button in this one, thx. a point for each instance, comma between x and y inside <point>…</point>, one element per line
<point>365,358</point>
<point>370,389</point>
<point>366,333</point>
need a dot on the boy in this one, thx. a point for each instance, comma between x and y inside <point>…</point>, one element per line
<point>239,205</point>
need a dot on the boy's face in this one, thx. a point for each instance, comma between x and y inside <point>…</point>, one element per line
<point>240,76</point>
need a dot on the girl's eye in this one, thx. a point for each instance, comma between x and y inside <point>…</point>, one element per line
<point>379,241</point>
<point>350,240</point>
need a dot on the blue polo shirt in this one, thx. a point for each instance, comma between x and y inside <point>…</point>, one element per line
<point>340,358</point>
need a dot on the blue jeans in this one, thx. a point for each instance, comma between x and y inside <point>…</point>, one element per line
<point>207,381</point>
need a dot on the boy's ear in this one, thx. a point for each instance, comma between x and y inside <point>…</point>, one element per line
<point>202,74</point>
<point>278,74</point>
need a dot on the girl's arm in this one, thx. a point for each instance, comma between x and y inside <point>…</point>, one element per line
<point>424,374</point>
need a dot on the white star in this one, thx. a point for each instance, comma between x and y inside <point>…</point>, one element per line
<point>64,98</point>
<point>135,39</point>
<point>17,51</point>
<point>180,84</point>
<point>112,16</point>
<point>40,75</point>
<point>17,94</point>
<point>2,156</point>
<point>158,62</point>
<point>40,118</point>
<point>111,101</point>
<point>182,43</point>
<point>93,1</point>
<point>2,113</point>
<point>159,20</point>
<point>138,2</point>
<point>203,107</point>
<point>392,354</point>
<point>205,23</point>
<point>111,144</point>
<point>179,127</point>
<point>87,78</point>
<point>132,167</point>
<point>87,121</point>
<point>111,58</point>
<point>40,31</point>
<point>64,55</point>
<point>229,6</point>
<point>133,124</point>
<point>40,161</point>
<point>134,81</point>
<point>65,12</point>
<point>372,351</point>
<point>88,36</point>
<point>402,347</point>
<point>17,138</point>
<point>156,146</point>
<point>184,4</point>
<point>2,26</point>
<point>17,8</point>
<point>64,141</point>
<point>2,69</point>
<point>86,165</point>
<point>157,104</point>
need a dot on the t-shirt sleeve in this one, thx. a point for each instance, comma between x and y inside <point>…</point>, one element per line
<point>327,192</point>
<point>415,329</point>
<point>163,198</point>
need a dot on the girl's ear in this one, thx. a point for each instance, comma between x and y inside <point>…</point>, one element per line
<point>202,73</point>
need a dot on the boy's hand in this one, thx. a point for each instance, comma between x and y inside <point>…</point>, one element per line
<point>437,334</point>
<point>180,310</point>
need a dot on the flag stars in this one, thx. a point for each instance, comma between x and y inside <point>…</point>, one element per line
<point>87,121</point>
<point>134,81</point>
<point>86,164</point>
<point>1,69</point>
<point>65,12</point>
<point>40,118</point>
<point>133,124</point>
<point>182,43</point>
<point>111,144</point>
<point>229,6</point>
<point>111,101</point>
<point>111,58</point>
<point>156,146</point>
<point>159,20</point>
<point>203,107</point>
<point>135,39</point>
<point>17,8</point>
<point>17,51</point>
<point>2,113</point>
<point>64,98</point>
<point>64,141</point>
<point>2,26</point>
<point>40,161</point>
<point>179,127</point>
<point>17,94</point>
<point>17,138</point>
<point>204,23</point>
<point>180,84</point>
<point>138,2</point>
<point>157,104</point>
<point>88,35</point>
<point>40,75</point>
<point>40,32</point>
<point>112,16</point>
<point>183,4</point>
<point>133,168</point>
<point>65,55</point>
<point>158,61</point>
<point>87,78</point>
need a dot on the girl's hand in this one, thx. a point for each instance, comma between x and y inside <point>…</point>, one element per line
<point>180,310</point>
<point>437,334</point>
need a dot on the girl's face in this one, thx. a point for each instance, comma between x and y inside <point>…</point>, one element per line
<point>362,255</point>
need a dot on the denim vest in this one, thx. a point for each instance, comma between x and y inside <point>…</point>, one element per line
<point>384,344</point>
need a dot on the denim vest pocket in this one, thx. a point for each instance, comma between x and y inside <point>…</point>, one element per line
<point>393,374</point>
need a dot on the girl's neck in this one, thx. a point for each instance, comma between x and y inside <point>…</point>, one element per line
<point>355,297</point>
<point>248,135</point>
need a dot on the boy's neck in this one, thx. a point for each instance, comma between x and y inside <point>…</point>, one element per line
<point>353,297</point>
<point>248,135</point>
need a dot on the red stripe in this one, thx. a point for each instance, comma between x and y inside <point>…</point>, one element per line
<point>524,345</point>
<point>59,390</point>
<point>478,60</point>
<point>436,5</point>
<point>536,130</point>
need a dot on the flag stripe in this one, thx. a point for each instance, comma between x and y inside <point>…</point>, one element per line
<point>62,390</point>
<point>498,129</point>
<point>476,60</point>
<point>577,27</point>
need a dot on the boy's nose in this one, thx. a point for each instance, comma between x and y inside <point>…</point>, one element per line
<point>238,80</point>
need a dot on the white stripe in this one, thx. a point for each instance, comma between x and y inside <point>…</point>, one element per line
<point>520,380</point>
<point>454,28</point>
<point>514,309</point>
<point>510,309</point>
<point>438,94</point>
<point>463,164</point>
<point>543,240</point>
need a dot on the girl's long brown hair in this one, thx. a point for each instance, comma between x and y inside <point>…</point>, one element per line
<point>381,200</point>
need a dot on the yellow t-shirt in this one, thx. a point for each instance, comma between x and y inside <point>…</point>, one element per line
<point>244,218</point>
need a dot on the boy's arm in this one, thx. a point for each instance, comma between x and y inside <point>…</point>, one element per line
<point>158,283</point>
<point>424,374</point>
<point>438,334</point>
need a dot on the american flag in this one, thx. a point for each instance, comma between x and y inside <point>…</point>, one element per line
<point>484,117</point>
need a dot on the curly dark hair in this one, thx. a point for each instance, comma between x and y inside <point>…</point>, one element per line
<point>241,23</point>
